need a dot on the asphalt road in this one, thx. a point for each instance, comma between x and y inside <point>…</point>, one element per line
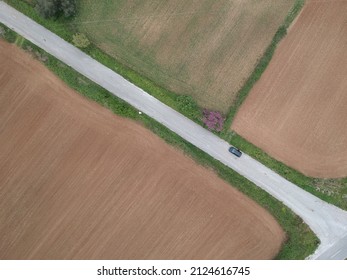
<point>328,222</point>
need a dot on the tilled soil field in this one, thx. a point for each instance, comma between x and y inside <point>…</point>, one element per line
<point>77,182</point>
<point>297,112</point>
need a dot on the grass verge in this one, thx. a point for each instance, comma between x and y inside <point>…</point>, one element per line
<point>300,242</point>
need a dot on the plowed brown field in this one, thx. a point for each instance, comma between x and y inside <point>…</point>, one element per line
<point>77,182</point>
<point>297,112</point>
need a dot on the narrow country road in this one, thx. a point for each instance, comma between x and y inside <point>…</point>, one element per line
<point>328,222</point>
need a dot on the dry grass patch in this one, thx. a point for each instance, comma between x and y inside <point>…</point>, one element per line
<point>203,48</point>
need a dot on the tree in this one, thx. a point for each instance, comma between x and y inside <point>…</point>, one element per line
<point>68,7</point>
<point>47,8</point>
<point>55,8</point>
<point>80,40</point>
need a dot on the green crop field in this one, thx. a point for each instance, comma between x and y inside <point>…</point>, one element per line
<point>204,48</point>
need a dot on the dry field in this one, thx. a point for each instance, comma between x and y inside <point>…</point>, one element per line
<point>297,112</point>
<point>77,182</point>
<point>203,48</point>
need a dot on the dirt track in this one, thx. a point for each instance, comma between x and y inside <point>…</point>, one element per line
<point>77,182</point>
<point>297,111</point>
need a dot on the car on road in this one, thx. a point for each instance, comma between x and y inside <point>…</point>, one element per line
<point>235,151</point>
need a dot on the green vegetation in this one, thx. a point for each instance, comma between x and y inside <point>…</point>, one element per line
<point>47,8</point>
<point>300,242</point>
<point>55,8</point>
<point>299,4</point>
<point>8,34</point>
<point>80,40</point>
<point>19,41</point>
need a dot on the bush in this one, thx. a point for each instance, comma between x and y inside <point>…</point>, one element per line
<point>80,40</point>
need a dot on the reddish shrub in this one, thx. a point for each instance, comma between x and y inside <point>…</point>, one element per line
<point>213,120</point>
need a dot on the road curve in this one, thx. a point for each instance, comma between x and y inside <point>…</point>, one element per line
<point>328,222</point>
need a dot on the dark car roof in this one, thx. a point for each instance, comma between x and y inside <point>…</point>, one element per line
<point>235,151</point>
